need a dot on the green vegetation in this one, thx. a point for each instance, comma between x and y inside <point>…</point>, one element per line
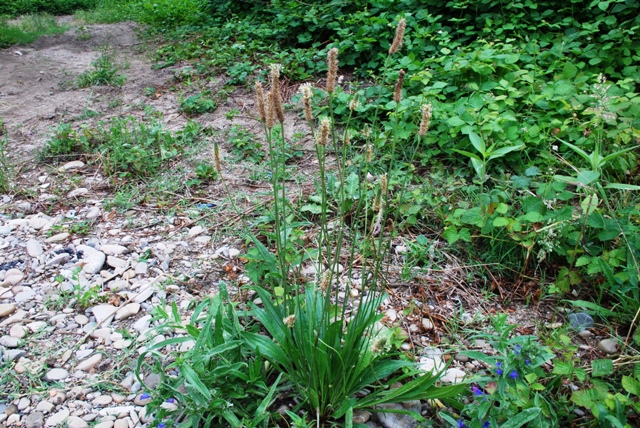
<point>5,182</point>
<point>126,147</point>
<point>105,71</point>
<point>27,29</point>
<point>504,134</point>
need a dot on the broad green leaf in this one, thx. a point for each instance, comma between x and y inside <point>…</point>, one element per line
<point>631,385</point>
<point>312,208</point>
<point>602,367</point>
<point>620,186</point>
<point>504,150</point>
<point>522,418</point>
<point>478,143</point>
<point>500,221</point>
<point>589,204</point>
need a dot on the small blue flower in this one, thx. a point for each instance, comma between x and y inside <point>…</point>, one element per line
<point>461,424</point>
<point>527,362</point>
<point>171,400</point>
<point>476,390</point>
<point>486,425</point>
<point>162,425</point>
<point>513,374</point>
<point>498,370</point>
<point>517,349</point>
<point>145,396</point>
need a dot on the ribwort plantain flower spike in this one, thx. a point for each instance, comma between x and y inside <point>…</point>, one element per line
<point>397,93</point>
<point>289,321</point>
<point>274,76</point>
<point>305,90</point>
<point>216,157</point>
<point>397,40</point>
<point>332,73</point>
<point>325,129</point>
<point>260,100</point>
<point>384,182</point>
<point>426,119</point>
<point>270,119</point>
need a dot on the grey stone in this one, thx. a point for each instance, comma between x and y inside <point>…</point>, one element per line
<point>104,314</point>
<point>7,309</point>
<point>58,259</point>
<point>113,250</point>
<point>9,342</point>
<point>128,311</point>
<point>76,422</point>
<point>92,259</point>
<point>89,363</point>
<point>608,346</point>
<point>14,354</point>
<point>70,166</point>
<point>34,248</point>
<point>18,331</point>
<point>57,418</point>
<point>395,420</point>
<point>581,321</point>
<point>60,237</point>
<point>57,374</point>
<point>34,420</point>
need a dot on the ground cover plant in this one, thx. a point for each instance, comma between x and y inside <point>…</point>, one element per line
<point>502,134</point>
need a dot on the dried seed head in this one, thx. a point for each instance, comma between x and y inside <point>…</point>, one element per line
<point>379,345</point>
<point>270,119</point>
<point>366,131</point>
<point>260,100</point>
<point>305,90</point>
<point>368,153</point>
<point>384,183</point>
<point>324,282</point>
<point>397,40</point>
<point>397,93</point>
<point>426,119</point>
<point>289,321</point>
<point>332,60</point>
<point>347,138</point>
<point>275,90</point>
<point>323,135</point>
<point>216,156</point>
<point>353,104</point>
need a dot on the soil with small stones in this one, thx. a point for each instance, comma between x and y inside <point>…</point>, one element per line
<point>68,349</point>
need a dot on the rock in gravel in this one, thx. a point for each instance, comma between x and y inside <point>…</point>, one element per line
<point>113,250</point>
<point>76,422</point>
<point>13,354</point>
<point>105,424</point>
<point>81,319</point>
<point>57,418</point>
<point>9,342</point>
<point>453,375</point>
<point>45,406</point>
<point>34,420</point>
<point>121,423</point>
<point>128,311</point>
<point>18,331</point>
<point>12,277</point>
<point>25,295</point>
<point>54,375</point>
<point>7,309</point>
<point>427,324</point>
<point>195,231</point>
<point>81,191</point>
<point>93,213</point>
<point>70,166</point>
<point>102,400</point>
<point>89,363</point>
<point>395,420</point>
<point>92,259</point>
<point>104,314</point>
<point>34,248</point>
<point>581,321</point>
<point>608,346</point>
<point>60,237</point>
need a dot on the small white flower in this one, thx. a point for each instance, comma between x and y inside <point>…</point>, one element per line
<point>554,147</point>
